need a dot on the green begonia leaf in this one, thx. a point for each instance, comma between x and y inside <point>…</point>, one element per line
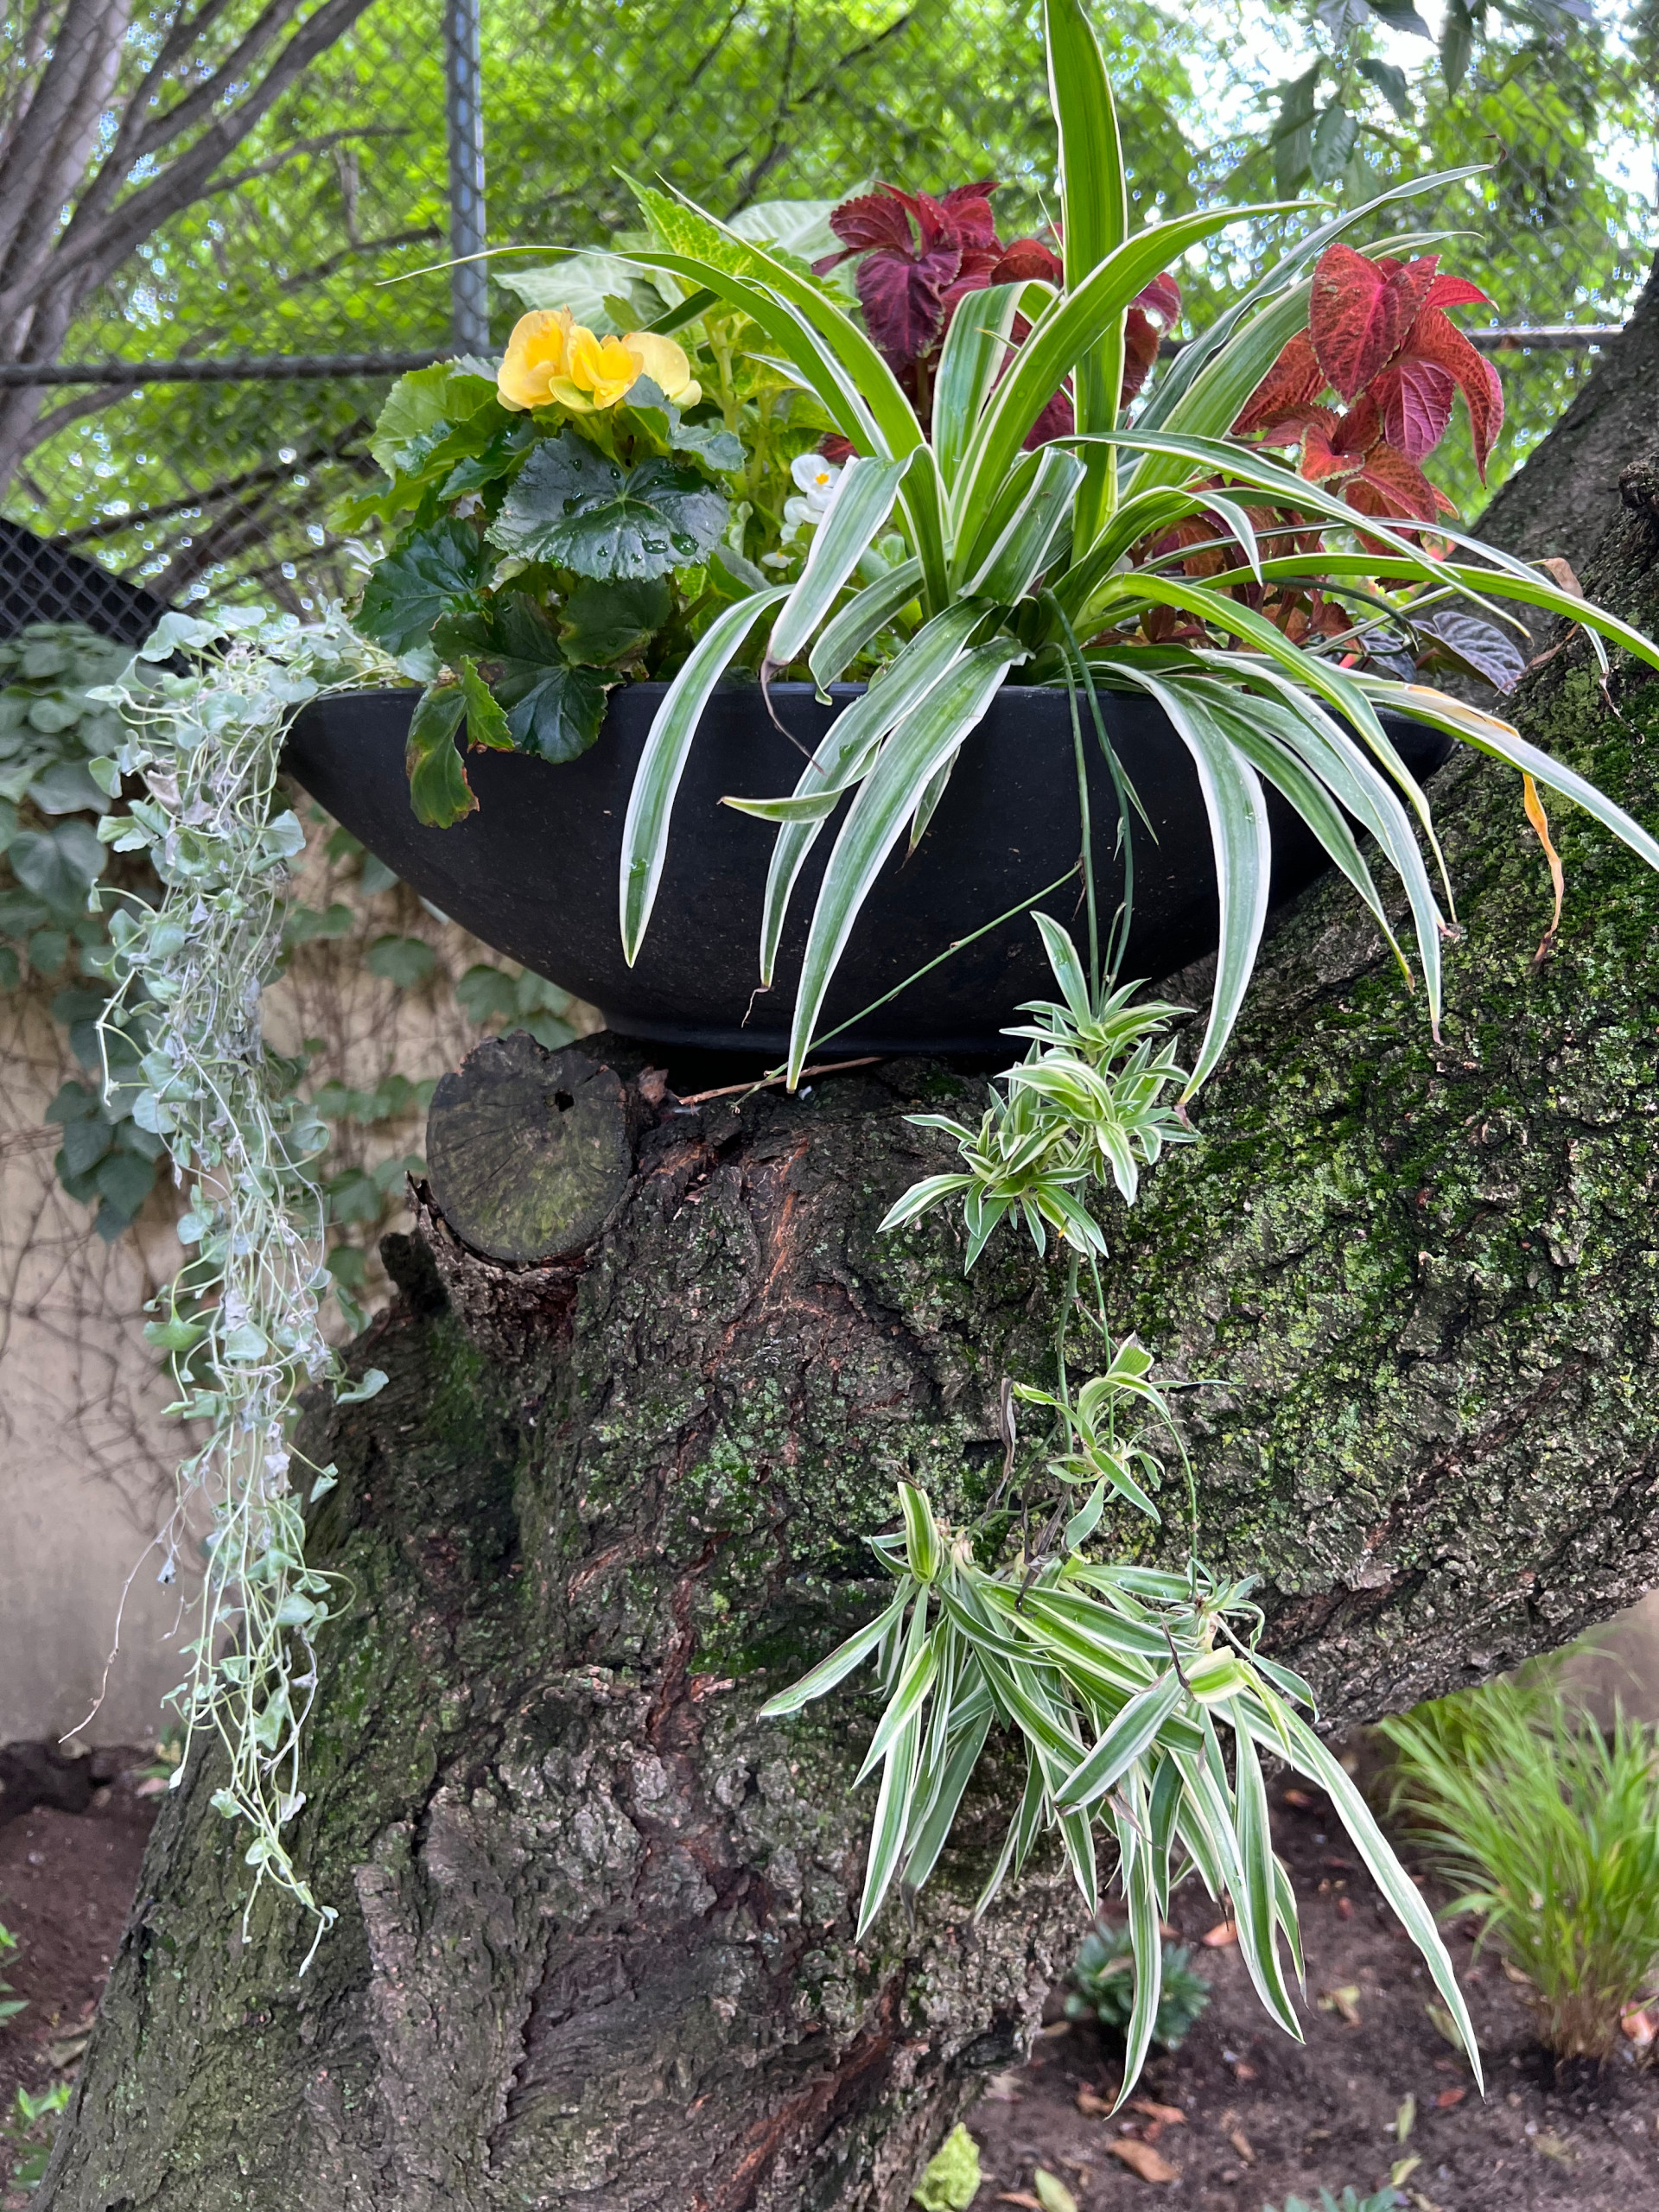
<point>427,574</point>
<point>576,508</point>
<point>656,413</point>
<point>485,723</point>
<point>554,710</point>
<point>498,456</point>
<point>421,411</point>
<point>602,622</point>
<point>438,788</point>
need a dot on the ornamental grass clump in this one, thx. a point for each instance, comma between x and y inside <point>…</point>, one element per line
<point>1103,1976</point>
<point>1549,1830</point>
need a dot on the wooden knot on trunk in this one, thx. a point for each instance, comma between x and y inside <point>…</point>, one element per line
<point>528,1150</point>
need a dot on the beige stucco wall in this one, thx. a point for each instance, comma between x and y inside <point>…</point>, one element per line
<point>85,1452</point>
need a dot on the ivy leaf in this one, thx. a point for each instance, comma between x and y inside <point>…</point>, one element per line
<point>602,622</point>
<point>485,723</point>
<point>85,1144</point>
<point>485,994</point>
<point>427,574</point>
<point>123,1181</point>
<point>66,788</point>
<point>577,508</point>
<point>1391,81</point>
<point>1335,135</point>
<point>407,962</point>
<point>60,866</point>
<point>438,788</point>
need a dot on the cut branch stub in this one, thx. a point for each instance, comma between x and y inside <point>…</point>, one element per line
<point>527,1150</point>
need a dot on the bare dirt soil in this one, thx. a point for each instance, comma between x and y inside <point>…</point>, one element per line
<point>66,1882</point>
<point>1264,2119</point>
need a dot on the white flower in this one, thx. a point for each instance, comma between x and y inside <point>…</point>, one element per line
<point>817,479</point>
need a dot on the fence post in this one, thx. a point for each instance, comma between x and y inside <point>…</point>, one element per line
<point>464,87</point>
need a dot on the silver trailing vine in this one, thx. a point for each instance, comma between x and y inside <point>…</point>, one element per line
<point>185,1054</point>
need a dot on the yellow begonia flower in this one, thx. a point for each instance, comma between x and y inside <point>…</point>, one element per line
<point>598,371</point>
<point>537,351</point>
<point>551,359</point>
<point>665,363</point>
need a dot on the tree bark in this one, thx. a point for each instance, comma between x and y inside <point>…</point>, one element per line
<point>595,1946</point>
<point>1559,503</point>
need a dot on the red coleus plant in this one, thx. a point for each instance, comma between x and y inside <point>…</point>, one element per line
<point>1378,337</point>
<point>920,258</point>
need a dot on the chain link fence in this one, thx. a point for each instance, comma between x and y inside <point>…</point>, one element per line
<point>199,423</point>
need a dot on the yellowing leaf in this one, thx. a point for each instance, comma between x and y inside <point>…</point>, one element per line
<point>1051,2193</point>
<point>1540,822</point>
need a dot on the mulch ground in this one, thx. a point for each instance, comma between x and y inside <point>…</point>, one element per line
<point>1263,2118</point>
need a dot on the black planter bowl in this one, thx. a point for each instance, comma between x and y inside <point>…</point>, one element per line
<point>534,871</point>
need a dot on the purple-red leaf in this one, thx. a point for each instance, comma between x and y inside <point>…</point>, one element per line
<point>1435,341</point>
<point>878,218</point>
<point>1151,312</point>
<point>1394,488</point>
<point>1415,399</point>
<point>1361,311</point>
<point>1024,261</point>
<point>1455,292</point>
<point>969,207</point>
<point>912,253</point>
<point>1294,379</point>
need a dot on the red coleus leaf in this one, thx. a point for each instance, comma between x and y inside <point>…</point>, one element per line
<point>1390,486</point>
<point>969,207</point>
<point>1024,261</point>
<point>912,247</point>
<point>878,218</point>
<point>1320,458</point>
<point>1456,292</point>
<point>1058,420</point>
<point>1433,339</point>
<point>1151,312</point>
<point>1361,312</point>
<point>1294,379</point>
<point>1360,428</point>
<point>1416,401</point>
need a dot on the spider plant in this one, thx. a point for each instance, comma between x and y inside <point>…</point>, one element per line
<point>1056,563</point>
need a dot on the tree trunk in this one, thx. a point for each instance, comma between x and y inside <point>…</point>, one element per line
<point>595,1946</point>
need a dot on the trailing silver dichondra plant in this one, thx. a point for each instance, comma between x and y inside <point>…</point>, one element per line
<point>186,1058</point>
